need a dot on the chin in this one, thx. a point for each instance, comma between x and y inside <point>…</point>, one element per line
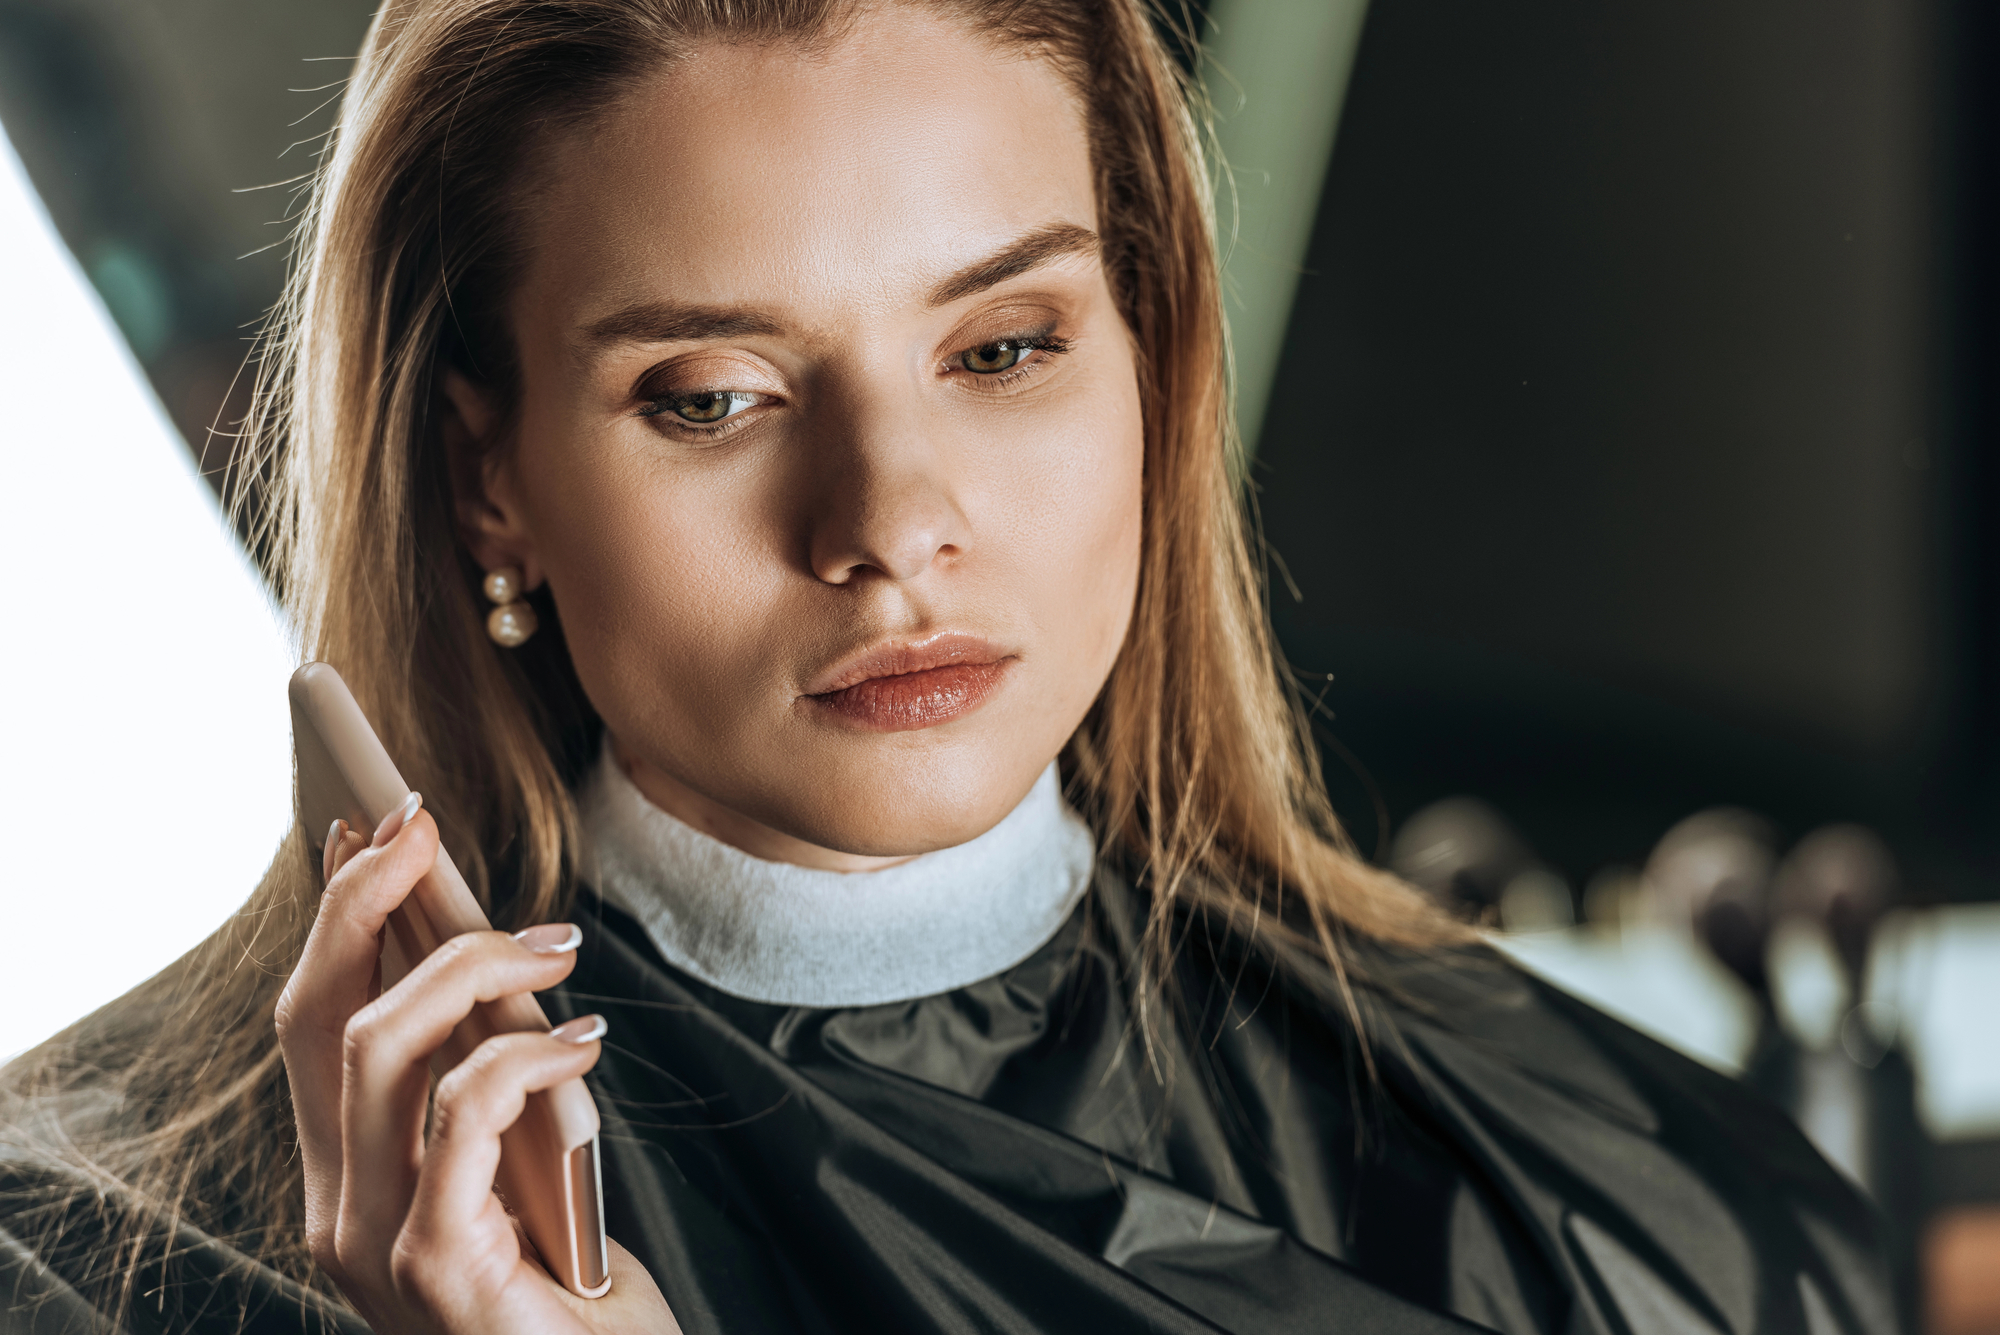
<point>904,805</point>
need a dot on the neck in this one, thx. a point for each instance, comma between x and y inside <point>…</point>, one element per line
<point>732,827</point>
<point>799,935</point>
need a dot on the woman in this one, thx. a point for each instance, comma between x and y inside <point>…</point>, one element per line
<point>875,743</point>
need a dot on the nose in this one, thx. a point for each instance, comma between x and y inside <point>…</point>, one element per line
<point>886,505</point>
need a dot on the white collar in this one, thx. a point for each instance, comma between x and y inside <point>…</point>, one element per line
<point>773,932</point>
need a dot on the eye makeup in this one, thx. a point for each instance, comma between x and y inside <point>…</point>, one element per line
<point>704,407</point>
<point>707,412</point>
<point>694,399</point>
<point>1006,361</point>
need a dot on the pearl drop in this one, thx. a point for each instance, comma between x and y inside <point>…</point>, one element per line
<point>511,624</point>
<point>503,585</point>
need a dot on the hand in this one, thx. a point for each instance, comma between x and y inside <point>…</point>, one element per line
<point>408,1228</point>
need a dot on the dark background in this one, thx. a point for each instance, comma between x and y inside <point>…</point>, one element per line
<point>1632,451</point>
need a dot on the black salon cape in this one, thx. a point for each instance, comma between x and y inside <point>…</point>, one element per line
<point>1011,1157</point>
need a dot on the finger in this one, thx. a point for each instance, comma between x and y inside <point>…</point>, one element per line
<point>393,823</point>
<point>331,980</point>
<point>389,1045</point>
<point>479,1099</point>
<point>407,1024</point>
<point>340,852</point>
<point>326,857</point>
<point>328,986</point>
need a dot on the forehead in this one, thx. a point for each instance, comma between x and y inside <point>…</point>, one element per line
<point>851,177</point>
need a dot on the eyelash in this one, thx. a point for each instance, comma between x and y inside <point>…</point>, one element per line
<point>995,382</point>
<point>661,407</point>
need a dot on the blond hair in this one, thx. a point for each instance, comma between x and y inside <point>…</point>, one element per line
<point>1195,765</point>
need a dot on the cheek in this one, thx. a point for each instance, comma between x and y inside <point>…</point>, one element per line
<point>1084,513</point>
<point>653,576</point>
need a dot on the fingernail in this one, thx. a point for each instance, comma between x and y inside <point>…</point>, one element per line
<point>583,1029</point>
<point>551,938</point>
<point>393,823</point>
<point>332,846</point>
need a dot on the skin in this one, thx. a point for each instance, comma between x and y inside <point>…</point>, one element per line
<point>408,1226</point>
<point>878,489</point>
<point>875,488</point>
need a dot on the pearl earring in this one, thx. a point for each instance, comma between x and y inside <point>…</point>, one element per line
<point>513,621</point>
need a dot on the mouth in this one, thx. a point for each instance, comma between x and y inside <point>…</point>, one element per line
<point>901,686</point>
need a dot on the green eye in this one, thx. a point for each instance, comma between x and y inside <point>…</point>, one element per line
<point>993,358</point>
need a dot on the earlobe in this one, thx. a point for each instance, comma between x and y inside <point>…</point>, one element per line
<point>490,522</point>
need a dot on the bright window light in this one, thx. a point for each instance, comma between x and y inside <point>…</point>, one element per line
<point>143,725</point>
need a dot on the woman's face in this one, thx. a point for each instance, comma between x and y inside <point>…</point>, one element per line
<point>830,443</point>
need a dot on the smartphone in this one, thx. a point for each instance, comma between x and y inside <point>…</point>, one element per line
<point>549,1170</point>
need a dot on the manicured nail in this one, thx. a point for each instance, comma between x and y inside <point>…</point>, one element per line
<point>393,823</point>
<point>551,938</point>
<point>334,832</point>
<point>583,1029</point>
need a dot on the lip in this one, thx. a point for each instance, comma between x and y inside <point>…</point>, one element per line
<point>901,685</point>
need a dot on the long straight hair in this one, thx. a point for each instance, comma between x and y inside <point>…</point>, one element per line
<point>1195,765</point>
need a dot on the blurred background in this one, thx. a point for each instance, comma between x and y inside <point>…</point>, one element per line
<point>1620,386</point>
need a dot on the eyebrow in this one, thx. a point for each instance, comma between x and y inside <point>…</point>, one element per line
<point>675,322</point>
<point>672,322</point>
<point>1042,246</point>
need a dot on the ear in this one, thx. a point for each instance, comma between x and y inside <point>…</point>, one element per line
<point>490,521</point>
